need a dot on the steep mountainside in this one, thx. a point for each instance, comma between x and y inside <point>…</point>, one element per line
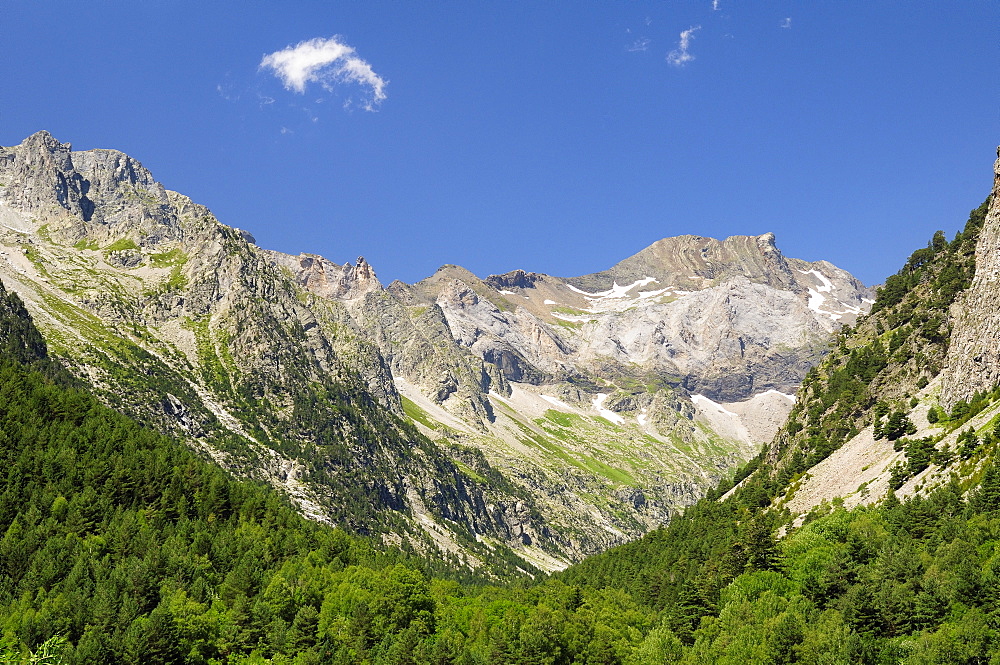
<point>183,322</point>
<point>973,363</point>
<point>594,389</point>
<point>867,531</point>
<point>555,416</point>
<point>907,397</point>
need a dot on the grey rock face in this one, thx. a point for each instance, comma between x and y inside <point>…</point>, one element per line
<point>729,319</point>
<point>515,279</point>
<point>416,342</point>
<point>728,342</point>
<point>496,355</point>
<point>96,193</point>
<point>328,279</point>
<point>973,361</point>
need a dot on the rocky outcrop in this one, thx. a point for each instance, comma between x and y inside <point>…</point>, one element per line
<point>515,279</point>
<point>973,361</point>
<point>97,194</point>
<point>328,279</point>
<point>689,262</point>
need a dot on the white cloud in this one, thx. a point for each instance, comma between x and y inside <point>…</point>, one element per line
<point>640,45</point>
<point>680,55</point>
<point>787,23</point>
<point>326,62</point>
<point>715,5</point>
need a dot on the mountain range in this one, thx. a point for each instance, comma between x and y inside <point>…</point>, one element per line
<point>552,417</point>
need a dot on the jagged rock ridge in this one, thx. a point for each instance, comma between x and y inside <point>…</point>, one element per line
<point>728,319</point>
<point>181,321</point>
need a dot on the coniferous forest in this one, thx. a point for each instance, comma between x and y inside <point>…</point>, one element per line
<point>120,545</point>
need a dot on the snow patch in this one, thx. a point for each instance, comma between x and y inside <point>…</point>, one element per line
<point>706,403</point>
<point>772,391</point>
<point>507,293</point>
<point>557,402</point>
<point>816,300</point>
<point>642,417</point>
<point>551,302</point>
<point>621,298</point>
<point>827,284</point>
<point>605,413</point>
<point>615,291</point>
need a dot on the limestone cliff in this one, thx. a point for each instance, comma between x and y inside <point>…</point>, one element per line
<point>973,361</point>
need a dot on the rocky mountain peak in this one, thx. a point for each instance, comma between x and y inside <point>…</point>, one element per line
<point>42,142</point>
<point>100,195</point>
<point>328,279</point>
<point>38,176</point>
<point>515,279</point>
<point>363,270</point>
<point>694,262</point>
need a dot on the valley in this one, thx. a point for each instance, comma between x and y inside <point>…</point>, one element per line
<point>606,409</point>
<point>762,463</point>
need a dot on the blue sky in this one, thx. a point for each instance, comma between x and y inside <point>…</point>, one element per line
<point>559,137</point>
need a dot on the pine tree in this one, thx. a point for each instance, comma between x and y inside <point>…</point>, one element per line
<point>760,546</point>
<point>987,498</point>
